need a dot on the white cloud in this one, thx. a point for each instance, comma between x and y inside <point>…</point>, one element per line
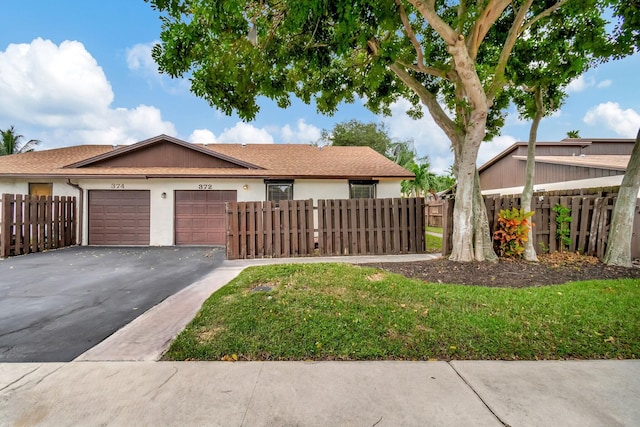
<point>625,123</point>
<point>490,149</point>
<point>140,61</point>
<point>580,83</point>
<point>44,82</point>
<point>245,133</point>
<point>202,136</point>
<point>139,58</point>
<point>427,136</point>
<point>604,84</point>
<point>303,133</point>
<point>64,92</point>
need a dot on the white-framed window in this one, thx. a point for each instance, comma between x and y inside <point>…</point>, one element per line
<point>362,189</point>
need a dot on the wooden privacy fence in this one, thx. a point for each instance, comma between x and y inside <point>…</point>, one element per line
<point>343,227</point>
<point>588,230</point>
<point>34,224</point>
<point>371,226</point>
<point>433,213</point>
<point>267,229</point>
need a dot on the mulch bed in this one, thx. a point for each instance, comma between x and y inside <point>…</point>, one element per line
<point>552,269</point>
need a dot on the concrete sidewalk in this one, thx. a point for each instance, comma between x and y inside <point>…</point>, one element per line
<point>461,393</point>
<point>119,383</point>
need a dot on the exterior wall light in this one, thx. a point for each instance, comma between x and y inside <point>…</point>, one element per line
<point>163,195</point>
<point>245,187</point>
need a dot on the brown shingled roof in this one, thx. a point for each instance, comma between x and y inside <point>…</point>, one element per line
<point>278,161</point>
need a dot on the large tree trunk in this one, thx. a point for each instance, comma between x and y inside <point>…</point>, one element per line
<point>462,241</point>
<point>527,191</point>
<point>471,236</point>
<point>483,239</point>
<point>619,243</point>
<point>466,135</point>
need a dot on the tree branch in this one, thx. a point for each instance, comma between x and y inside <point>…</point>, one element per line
<point>432,71</point>
<point>544,14</point>
<point>429,100</point>
<point>512,37</point>
<point>485,21</point>
<point>412,35</point>
<point>517,28</point>
<point>468,77</point>
<point>428,11</point>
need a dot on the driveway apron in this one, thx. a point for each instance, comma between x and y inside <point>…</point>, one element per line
<point>56,305</point>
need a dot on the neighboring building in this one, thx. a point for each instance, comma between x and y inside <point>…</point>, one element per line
<point>164,191</point>
<point>575,159</point>
<point>571,164</point>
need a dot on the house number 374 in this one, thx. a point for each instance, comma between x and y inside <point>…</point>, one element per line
<point>117,186</point>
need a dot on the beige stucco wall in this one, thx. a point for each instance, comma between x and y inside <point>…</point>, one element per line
<point>162,209</point>
<point>388,189</point>
<point>13,186</point>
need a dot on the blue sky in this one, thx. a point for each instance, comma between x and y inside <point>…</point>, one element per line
<point>80,72</point>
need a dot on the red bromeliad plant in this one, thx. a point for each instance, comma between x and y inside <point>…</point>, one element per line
<point>512,231</point>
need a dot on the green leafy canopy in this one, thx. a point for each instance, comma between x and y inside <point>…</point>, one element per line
<point>334,51</point>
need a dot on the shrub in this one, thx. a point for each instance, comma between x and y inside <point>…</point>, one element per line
<point>563,219</point>
<point>512,231</point>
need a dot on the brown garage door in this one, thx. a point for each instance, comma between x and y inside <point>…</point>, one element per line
<point>200,216</point>
<point>118,217</point>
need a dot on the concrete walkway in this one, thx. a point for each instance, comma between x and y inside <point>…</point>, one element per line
<point>484,393</point>
<point>120,383</point>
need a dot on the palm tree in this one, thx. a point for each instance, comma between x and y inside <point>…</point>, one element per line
<point>423,183</point>
<point>11,143</point>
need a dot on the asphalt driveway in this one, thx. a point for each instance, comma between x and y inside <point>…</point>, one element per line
<point>56,305</point>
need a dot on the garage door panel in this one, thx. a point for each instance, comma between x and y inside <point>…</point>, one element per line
<point>199,224</point>
<point>119,217</point>
<point>216,223</point>
<point>198,210</point>
<point>183,223</point>
<point>183,209</point>
<point>218,209</point>
<point>200,216</point>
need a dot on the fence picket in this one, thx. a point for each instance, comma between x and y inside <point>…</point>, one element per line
<point>590,210</point>
<point>32,224</point>
<point>603,227</point>
<point>573,228</point>
<point>595,220</point>
<point>353,226</point>
<point>19,223</point>
<point>583,226</point>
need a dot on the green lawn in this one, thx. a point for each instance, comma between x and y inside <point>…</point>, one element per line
<point>343,312</point>
<point>434,244</point>
<point>434,229</point>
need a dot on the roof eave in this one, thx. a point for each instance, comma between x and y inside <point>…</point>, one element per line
<point>573,163</point>
<point>147,142</point>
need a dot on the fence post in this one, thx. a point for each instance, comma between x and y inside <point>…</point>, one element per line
<point>5,231</point>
